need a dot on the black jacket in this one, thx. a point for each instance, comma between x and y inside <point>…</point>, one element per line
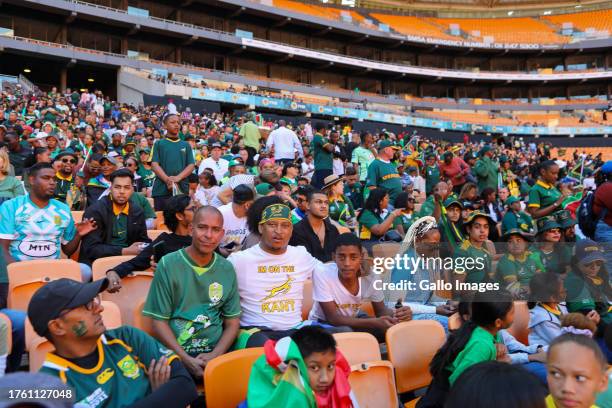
<point>97,244</point>
<point>303,235</point>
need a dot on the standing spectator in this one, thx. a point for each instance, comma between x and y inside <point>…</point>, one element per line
<point>121,223</point>
<point>218,165</point>
<point>308,131</point>
<point>10,187</point>
<point>235,219</point>
<point>194,299</point>
<point>382,173</point>
<point>118,366</point>
<point>285,143</point>
<point>17,152</point>
<point>271,278</point>
<point>172,163</point>
<point>486,170</point>
<point>36,226</point>
<point>322,149</point>
<point>249,132</point>
<point>363,155</point>
<point>454,169</point>
<point>64,176</point>
<point>315,232</point>
<point>544,197</point>
<point>431,172</point>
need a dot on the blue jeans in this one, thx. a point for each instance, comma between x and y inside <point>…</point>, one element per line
<point>443,320</point>
<point>537,368</point>
<point>603,235</point>
<point>18,322</point>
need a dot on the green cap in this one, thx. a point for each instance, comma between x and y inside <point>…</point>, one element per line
<point>275,212</point>
<point>484,150</point>
<point>387,143</point>
<point>264,188</point>
<point>234,163</point>
<point>547,223</point>
<point>564,219</point>
<point>517,231</point>
<point>503,158</point>
<point>475,214</point>
<point>511,200</point>
<point>130,141</point>
<point>452,200</point>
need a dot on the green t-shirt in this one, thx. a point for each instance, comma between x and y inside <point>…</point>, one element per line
<point>480,266</point>
<point>432,177</point>
<point>119,379</point>
<point>173,156</point>
<point>194,300</point>
<point>147,176</point>
<point>427,209</point>
<point>140,200</point>
<point>583,297</point>
<point>556,261</point>
<point>363,158</point>
<point>520,220</point>
<point>323,160</point>
<point>355,194</point>
<point>341,210</point>
<point>367,220</point>
<point>384,174</point>
<point>291,182</point>
<point>479,348</point>
<point>543,195</point>
<point>405,220</point>
<point>523,270</point>
<point>11,187</point>
<point>250,133</point>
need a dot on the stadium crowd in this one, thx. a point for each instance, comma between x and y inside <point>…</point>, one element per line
<point>256,210</point>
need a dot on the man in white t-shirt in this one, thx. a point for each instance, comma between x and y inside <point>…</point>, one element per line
<point>218,165</point>
<point>271,278</point>
<point>235,219</point>
<point>285,143</point>
<point>339,292</point>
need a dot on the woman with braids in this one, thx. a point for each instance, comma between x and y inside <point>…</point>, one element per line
<point>544,197</point>
<point>421,244</point>
<point>477,340</point>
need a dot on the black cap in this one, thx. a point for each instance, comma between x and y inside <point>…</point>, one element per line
<point>62,294</point>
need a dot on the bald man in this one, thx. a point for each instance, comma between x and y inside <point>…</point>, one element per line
<point>193,300</point>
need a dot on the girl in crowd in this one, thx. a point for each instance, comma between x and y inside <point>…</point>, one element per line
<point>544,197</point>
<point>405,202</point>
<point>289,176</point>
<point>340,208</point>
<point>375,220</point>
<point>207,188</point>
<point>518,265</point>
<point>555,255</point>
<point>547,292</point>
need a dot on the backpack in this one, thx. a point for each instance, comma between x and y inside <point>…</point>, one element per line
<point>587,220</point>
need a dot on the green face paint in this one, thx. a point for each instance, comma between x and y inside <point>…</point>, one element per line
<point>79,329</point>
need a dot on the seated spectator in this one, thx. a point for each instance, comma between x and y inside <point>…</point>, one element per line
<point>96,185</point>
<point>339,291</point>
<point>121,224</point>
<point>340,207</point>
<point>178,216</point>
<point>193,300</point>
<point>576,372</point>
<point>254,217</point>
<point>548,292</point>
<point>375,220</point>
<point>476,246</point>
<point>64,177</point>
<point>519,265</point>
<point>207,189</point>
<point>310,354</point>
<point>516,218</point>
<point>10,186</point>
<point>555,255</point>
<point>235,219</point>
<point>115,367</point>
<point>315,232</point>
<point>476,341</point>
<point>301,200</point>
<point>271,278</point>
<point>353,189</point>
<point>36,226</point>
<point>404,202</point>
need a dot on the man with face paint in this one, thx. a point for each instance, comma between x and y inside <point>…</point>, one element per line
<point>110,368</point>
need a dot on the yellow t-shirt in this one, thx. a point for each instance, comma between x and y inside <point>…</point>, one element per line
<point>550,403</point>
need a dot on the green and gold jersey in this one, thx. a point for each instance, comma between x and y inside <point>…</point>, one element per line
<point>120,377</point>
<point>194,300</point>
<point>479,267</point>
<point>341,210</point>
<point>323,159</point>
<point>384,174</point>
<point>556,261</point>
<point>366,221</point>
<point>517,220</point>
<point>521,269</point>
<point>173,156</point>
<point>432,177</point>
<point>543,195</point>
<point>405,220</point>
<point>62,186</point>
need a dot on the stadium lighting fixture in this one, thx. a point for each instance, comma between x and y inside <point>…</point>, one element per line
<point>90,80</point>
<point>510,12</point>
<point>547,13</point>
<point>27,70</point>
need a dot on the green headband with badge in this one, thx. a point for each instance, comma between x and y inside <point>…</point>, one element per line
<point>275,212</point>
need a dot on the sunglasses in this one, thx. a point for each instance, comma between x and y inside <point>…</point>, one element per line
<point>91,305</point>
<point>594,263</point>
<point>71,161</point>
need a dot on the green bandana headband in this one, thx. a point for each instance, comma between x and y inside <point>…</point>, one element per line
<point>275,212</point>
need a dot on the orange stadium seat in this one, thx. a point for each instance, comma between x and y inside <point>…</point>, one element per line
<point>358,347</point>
<point>153,234</point>
<point>101,265</point>
<point>26,277</point>
<point>373,385</point>
<point>139,321</point>
<point>411,346</point>
<point>600,20</point>
<point>226,378</point>
<point>159,221</point>
<point>411,25</point>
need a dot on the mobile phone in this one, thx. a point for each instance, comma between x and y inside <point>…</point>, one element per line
<point>230,245</point>
<point>159,250</point>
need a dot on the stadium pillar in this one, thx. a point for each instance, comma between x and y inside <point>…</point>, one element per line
<point>178,55</point>
<point>63,79</point>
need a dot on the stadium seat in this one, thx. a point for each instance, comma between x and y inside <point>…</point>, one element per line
<point>40,346</point>
<point>139,321</point>
<point>26,277</point>
<point>411,346</point>
<point>153,234</point>
<point>77,216</point>
<point>358,347</point>
<point>134,287</point>
<point>373,385</point>
<point>159,221</point>
<point>520,326</point>
<point>101,265</point>
<point>9,330</point>
<point>226,378</point>
<point>308,302</point>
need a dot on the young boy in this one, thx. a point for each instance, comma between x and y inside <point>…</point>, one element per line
<point>576,372</point>
<point>303,371</point>
<point>339,292</point>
